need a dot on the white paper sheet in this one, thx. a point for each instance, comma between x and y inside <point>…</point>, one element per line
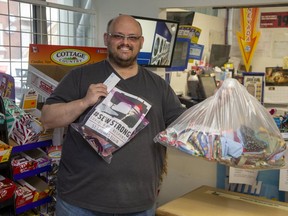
<point>242,176</point>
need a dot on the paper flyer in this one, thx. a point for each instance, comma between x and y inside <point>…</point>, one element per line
<point>266,184</point>
<point>242,176</point>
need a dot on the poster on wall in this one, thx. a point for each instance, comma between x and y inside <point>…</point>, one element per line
<point>276,85</point>
<point>274,20</point>
<point>254,83</point>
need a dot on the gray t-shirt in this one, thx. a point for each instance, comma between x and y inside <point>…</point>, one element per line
<point>131,181</point>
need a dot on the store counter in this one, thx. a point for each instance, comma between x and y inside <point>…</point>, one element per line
<point>206,200</point>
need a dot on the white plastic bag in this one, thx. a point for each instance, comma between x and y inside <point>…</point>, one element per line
<point>231,127</point>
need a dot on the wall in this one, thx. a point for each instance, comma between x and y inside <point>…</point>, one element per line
<point>270,40</point>
<point>212,31</point>
<point>106,9</point>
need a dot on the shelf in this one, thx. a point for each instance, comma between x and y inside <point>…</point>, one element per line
<point>29,146</point>
<point>32,172</point>
<point>33,205</point>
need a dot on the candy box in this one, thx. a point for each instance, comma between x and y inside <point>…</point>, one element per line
<point>22,163</point>
<point>26,130</point>
<point>24,193</point>
<point>40,187</point>
<point>7,188</point>
<point>12,113</point>
<point>39,156</point>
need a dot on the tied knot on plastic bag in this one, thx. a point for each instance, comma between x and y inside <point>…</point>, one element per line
<point>231,127</point>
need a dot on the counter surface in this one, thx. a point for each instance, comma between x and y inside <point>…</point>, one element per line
<point>207,200</point>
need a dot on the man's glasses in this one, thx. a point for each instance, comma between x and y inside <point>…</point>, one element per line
<point>118,36</point>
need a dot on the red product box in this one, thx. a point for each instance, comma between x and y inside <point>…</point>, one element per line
<point>22,163</point>
<point>39,156</point>
<point>24,194</point>
<point>7,188</point>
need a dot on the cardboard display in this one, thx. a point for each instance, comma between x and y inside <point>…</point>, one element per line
<point>207,200</point>
<point>48,64</point>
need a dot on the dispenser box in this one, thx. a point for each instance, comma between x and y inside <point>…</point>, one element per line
<point>48,64</point>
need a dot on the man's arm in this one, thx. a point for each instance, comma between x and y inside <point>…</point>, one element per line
<point>63,114</point>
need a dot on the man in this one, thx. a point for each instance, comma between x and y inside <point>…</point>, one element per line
<point>87,185</point>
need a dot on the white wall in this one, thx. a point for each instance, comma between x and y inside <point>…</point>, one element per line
<point>107,9</point>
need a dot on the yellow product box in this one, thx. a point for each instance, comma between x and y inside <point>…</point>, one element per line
<point>5,151</point>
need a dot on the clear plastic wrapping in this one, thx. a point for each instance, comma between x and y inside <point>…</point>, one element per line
<point>231,127</point>
<point>114,121</point>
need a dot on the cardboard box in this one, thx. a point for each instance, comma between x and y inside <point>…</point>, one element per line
<point>12,113</point>
<point>22,127</point>
<point>48,64</point>
<point>26,130</point>
<point>5,152</point>
<point>7,188</point>
<point>22,163</point>
<point>40,187</point>
<point>24,194</point>
<point>39,156</point>
<point>207,200</point>
<point>29,160</point>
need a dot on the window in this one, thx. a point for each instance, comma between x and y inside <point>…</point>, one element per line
<point>57,22</point>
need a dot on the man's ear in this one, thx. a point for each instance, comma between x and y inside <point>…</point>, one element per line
<point>142,41</point>
<point>105,37</point>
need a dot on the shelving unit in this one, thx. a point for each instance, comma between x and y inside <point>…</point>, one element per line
<point>15,177</point>
<point>30,146</point>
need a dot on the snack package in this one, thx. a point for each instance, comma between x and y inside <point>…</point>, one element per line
<point>114,121</point>
<point>231,127</point>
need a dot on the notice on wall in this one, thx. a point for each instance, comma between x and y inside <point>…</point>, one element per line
<point>242,176</point>
<point>274,20</point>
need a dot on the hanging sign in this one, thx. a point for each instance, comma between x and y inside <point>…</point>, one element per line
<point>274,20</point>
<point>249,36</point>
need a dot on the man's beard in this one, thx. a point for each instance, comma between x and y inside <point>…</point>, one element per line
<point>120,61</point>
